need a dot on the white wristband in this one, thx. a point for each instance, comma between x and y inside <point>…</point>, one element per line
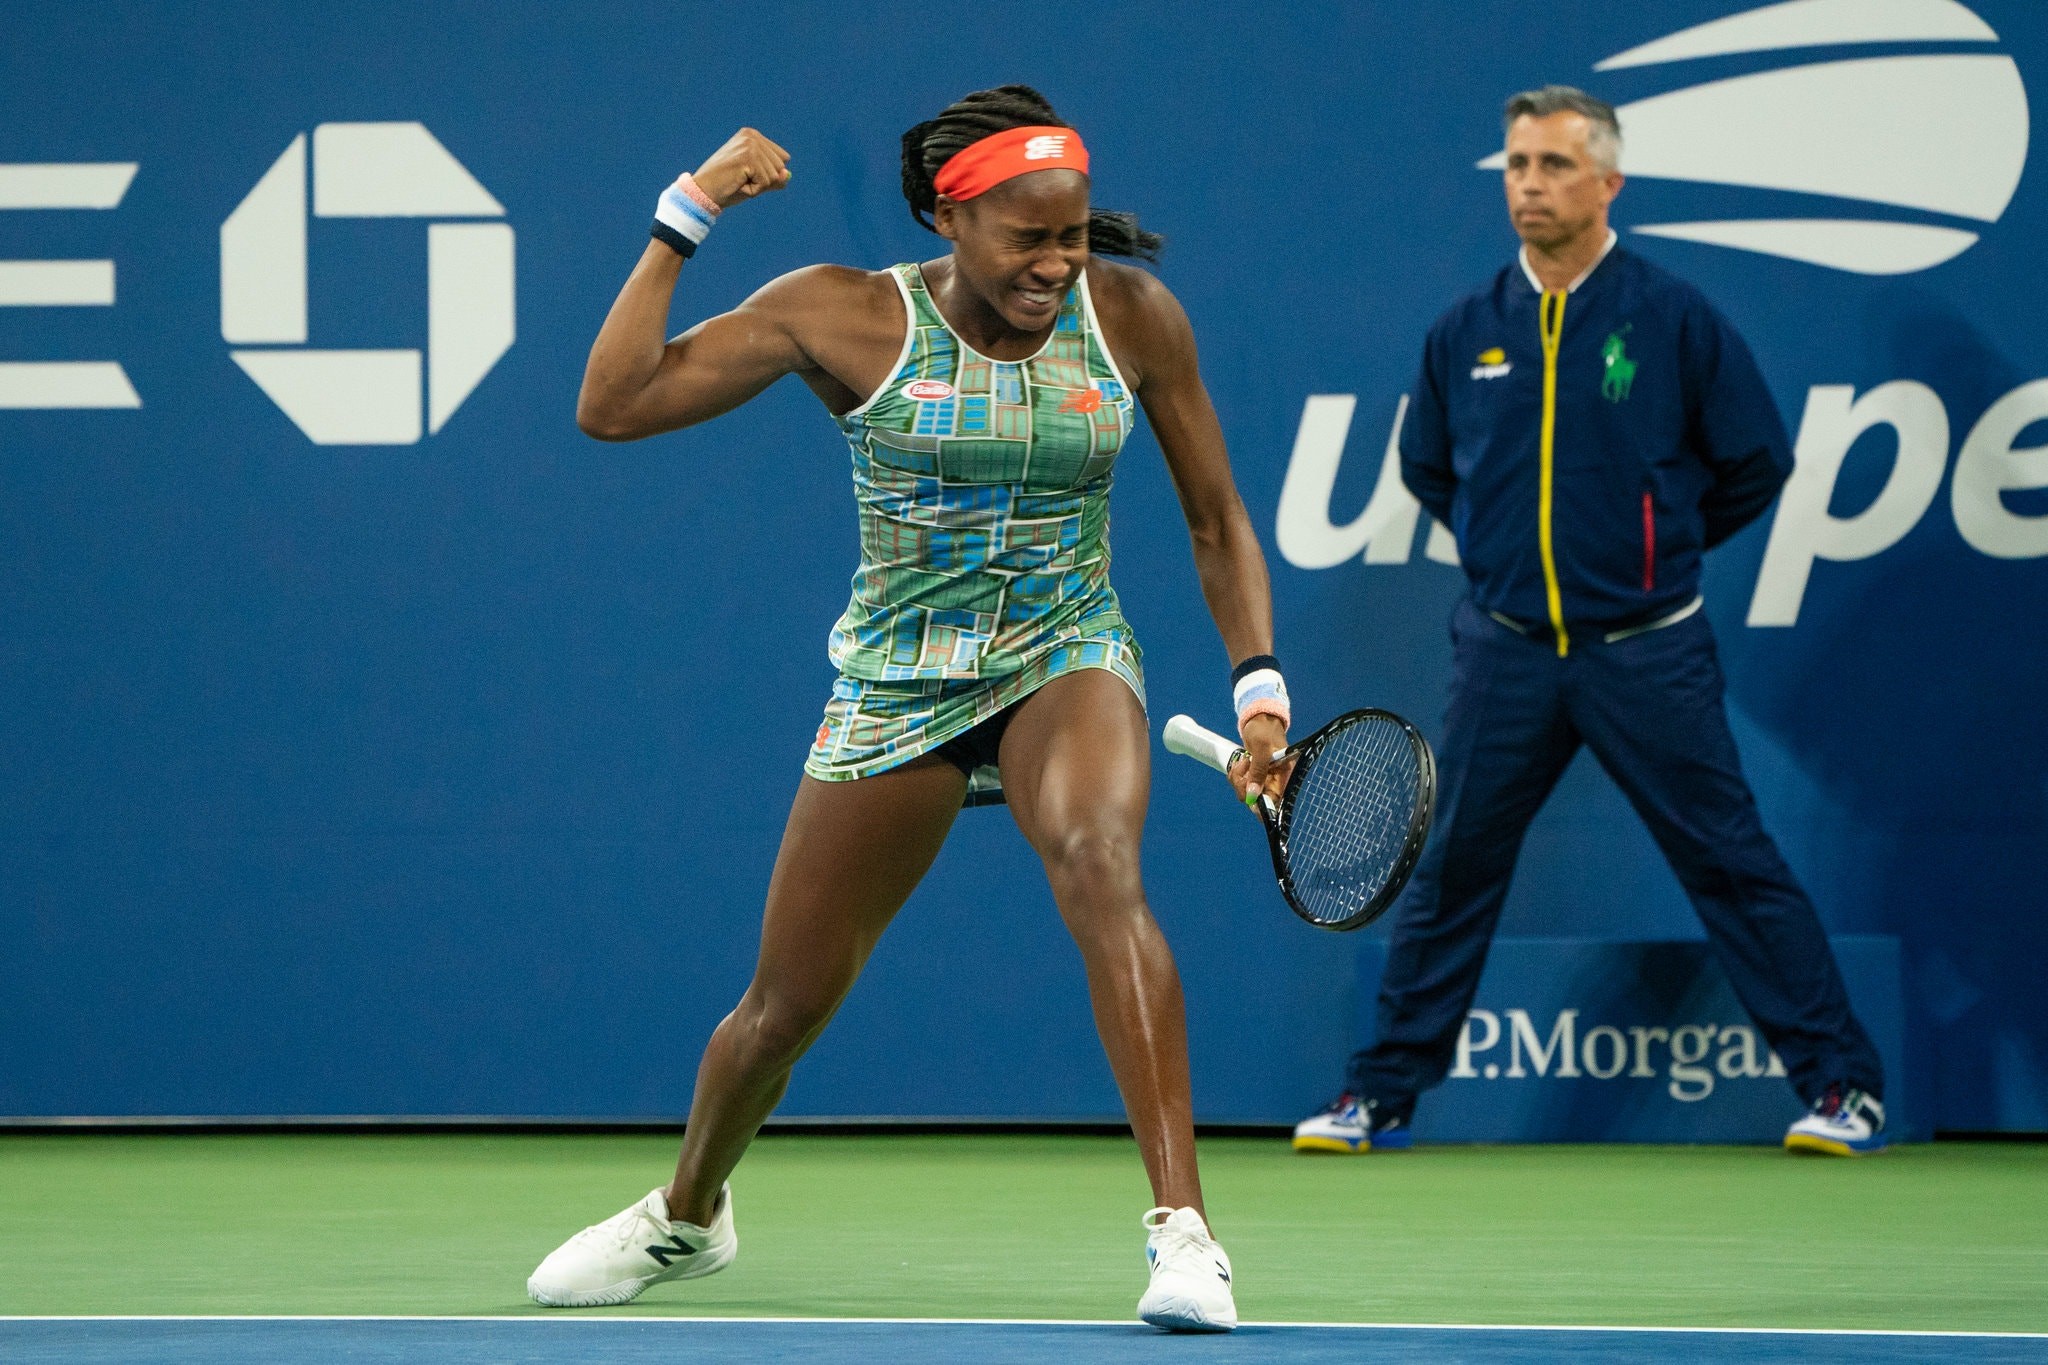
<point>680,221</point>
<point>1261,692</point>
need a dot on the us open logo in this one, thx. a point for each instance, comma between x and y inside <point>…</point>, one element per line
<point>1918,151</point>
<point>927,390</point>
<point>367,396</point>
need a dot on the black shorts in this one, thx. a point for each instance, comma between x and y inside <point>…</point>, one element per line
<point>980,747</point>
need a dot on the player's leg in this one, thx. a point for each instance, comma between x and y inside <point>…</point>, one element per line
<point>851,854</point>
<point>1652,708</point>
<point>1076,770</point>
<point>1506,742</point>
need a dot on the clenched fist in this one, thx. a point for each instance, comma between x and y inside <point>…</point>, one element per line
<point>749,164</point>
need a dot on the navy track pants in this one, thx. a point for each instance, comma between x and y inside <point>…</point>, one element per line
<point>1651,709</point>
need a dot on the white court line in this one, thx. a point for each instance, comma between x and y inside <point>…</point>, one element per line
<point>1016,1322</point>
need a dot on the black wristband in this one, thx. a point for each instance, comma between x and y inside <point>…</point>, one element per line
<point>672,239</point>
<point>1253,665</point>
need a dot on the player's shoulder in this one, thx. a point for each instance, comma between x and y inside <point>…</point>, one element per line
<point>820,301</point>
<point>1141,320</point>
<point>813,286</point>
<point>1128,290</point>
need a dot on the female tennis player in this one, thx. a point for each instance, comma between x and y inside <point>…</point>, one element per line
<point>985,396</point>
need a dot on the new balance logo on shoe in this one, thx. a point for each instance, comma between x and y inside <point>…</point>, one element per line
<point>1182,1297</point>
<point>668,1252</point>
<point>607,1263</point>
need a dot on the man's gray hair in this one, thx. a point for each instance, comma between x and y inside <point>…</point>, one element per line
<point>1603,137</point>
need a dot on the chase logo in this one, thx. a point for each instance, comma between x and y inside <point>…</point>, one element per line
<point>367,396</point>
<point>1919,151</point>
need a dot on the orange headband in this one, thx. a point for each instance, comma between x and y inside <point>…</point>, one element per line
<point>981,166</point>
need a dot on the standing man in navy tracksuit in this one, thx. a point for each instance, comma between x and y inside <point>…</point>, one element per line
<point>1587,425</point>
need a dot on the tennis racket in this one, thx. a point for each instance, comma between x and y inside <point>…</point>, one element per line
<point>1352,818</point>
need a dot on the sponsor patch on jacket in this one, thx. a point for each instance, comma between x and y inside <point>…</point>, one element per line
<point>1493,364</point>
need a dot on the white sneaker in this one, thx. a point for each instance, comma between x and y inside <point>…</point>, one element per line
<point>1351,1124</point>
<point>1190,1275</point>
<point>612,1261</point>
<point>1841,1123</point>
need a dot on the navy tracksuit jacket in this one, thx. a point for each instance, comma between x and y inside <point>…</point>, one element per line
<point>1586,448</point>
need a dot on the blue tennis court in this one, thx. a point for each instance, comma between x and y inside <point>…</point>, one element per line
<point>365,1341</point>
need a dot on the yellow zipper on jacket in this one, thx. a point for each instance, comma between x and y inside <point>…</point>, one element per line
<point>1551,324</point>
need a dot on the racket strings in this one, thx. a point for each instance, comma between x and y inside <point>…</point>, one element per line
<point>1351,819</point>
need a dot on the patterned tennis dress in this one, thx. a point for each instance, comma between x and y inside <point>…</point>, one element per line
<point>983,488</point>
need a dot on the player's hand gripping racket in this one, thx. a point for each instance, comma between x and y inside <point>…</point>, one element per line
<point>1352,818</point>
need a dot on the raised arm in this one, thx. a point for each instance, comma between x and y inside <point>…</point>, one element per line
<point>1228,559</point>
<point>635,384</point>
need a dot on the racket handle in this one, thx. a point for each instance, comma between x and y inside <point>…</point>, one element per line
<point>1183,736</point>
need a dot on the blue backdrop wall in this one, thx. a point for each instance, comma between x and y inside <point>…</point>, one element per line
<point>367,735</point>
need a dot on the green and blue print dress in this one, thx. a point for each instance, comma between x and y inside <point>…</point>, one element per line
<point>983,488</point>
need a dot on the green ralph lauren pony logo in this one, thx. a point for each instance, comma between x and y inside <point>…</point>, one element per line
<point>1621,371</point>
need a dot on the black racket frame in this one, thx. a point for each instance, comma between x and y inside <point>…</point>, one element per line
<point>1276,823</point>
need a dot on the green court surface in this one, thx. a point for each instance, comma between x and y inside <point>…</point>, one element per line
<point>1950,1237</point>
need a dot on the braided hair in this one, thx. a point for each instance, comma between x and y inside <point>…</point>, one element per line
<point>934,142</point>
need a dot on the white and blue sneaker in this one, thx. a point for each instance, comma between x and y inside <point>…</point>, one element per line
<point>612,1261</point>
<point>1190,1290</point>
<point>1842,1122</point>
<point>1351,1124</point>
